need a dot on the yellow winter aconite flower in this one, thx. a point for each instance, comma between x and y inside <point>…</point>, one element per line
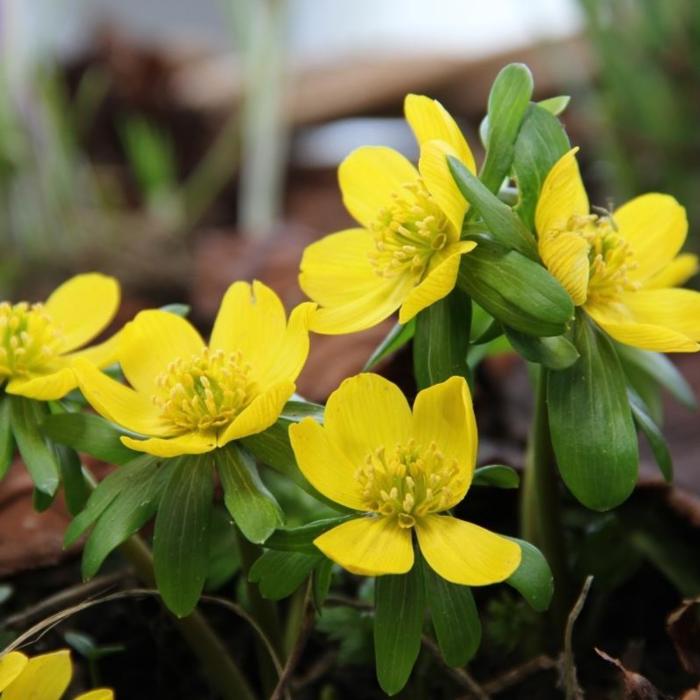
<point>44,677</point>
<point>401,470</point>
<point>621,267</point>
<point>187,397</point>
<point>39,342</point>
<point>406,253</point>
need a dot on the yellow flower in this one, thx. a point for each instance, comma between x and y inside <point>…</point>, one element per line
<point>44,677</point>
<point>408,250</point>
<point>401,470</point>
<point>38,342</point>
<point>621,267</point>
<point>189,398</point>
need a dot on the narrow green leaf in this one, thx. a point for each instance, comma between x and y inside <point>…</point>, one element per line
<point>182,310</point>
<point>593,433</point>
<point>298,409</point>
<point>398,624</point>
<point>7,441</point>
<point>493,330</point>
<point>38,456</point>
<point>515,290</point>
<point>555,352</point>
<point>321,583</point>
<point>659,368</point>
<point>123,479</point>
<point>181,537</point>
<point>75,487</point>
<point>541,142</point>
<point>503,224</point>
<point>279,574</point>
<point>508,101</point>
<point>442,339</point>
<point>252,507</point>
<point>42,501</point>
<point>129,510</point>
<point>455,618</point>
<point>395,339</point>
<point>91,434</point>
<point>498,475</point>
<point>301,539</point>
<point>533,578</point>
<point>555,105</point>
<point>653,434</point>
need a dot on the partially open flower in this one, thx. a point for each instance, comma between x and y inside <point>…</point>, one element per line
<point>402,471</point>
<point>39,342</point>
<point>189,397</point>
<point>621,267</point>
<point>44,677</point>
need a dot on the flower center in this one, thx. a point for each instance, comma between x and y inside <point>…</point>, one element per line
<point>409,481</point>
<point>29,341</point>
<point>408,232</point>
<point>206,391</point>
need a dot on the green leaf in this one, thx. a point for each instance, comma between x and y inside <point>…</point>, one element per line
<point>593,433</point>
<point>398,624</point>
<point>321,583</point>
<point>301,539</point>
<point>653,434</point>
<point>541,142</point>
<point>123,479</point>
<point>7,442</point>
<point>503,224</point>
<point>182,310</point>
<point>555,105</point>
<point>279,574</point>
<point>555,352</point>
<point>252,507</point>
<point>181,537</point>
<point>224,556</point>
<point>508,100</point>
<point>299,408</point>
<point>91,434</point>
<point>38,456</point>
<point>129,510</point>
<point>515,290</point>
<point>493,330</point>
<point>498,475</point>
<point>455,618</point>
<point>75,487</point>
<point>659,368</point>
<point>442,339</point>
<point>395,339</point>
<point>533,578</point>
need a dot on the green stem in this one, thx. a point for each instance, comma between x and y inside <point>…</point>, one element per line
<point>220,669</point>
<point>541,522</point>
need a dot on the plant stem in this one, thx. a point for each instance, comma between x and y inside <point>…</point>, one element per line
<point>541,522</point>
<point>220,669</point>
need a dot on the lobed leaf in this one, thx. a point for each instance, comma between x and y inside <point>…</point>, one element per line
<point>533,578</point>
<point>279,574</point>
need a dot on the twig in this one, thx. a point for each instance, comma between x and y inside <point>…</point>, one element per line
<point>339,600</point>
<point>518,674</point>
<point>569,679</point>
<point>458,674</point>
<point>317,670</point>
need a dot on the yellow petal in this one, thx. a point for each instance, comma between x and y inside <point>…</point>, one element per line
<point>438,179</point>
<point>118,403</point>
<point>11,665</point>
<point>465,553</point>
<point>655,226</point>
<point>151,342</point>
<point>676,273</point>
<point>443,414</point>
<point>430,120</point>
<point>438,283</point>
<point>45,677</point>
<point>49,387</point>
<point>260,414</point>
<point>644,335</point>
<point>562,195</point>
<point>565,255</point>
<point>369,546</point>
<point>186,444</point>
<point>100,694</point>
<point>101,355</point>
<point>369,177</point>
<point>82,307</point>
<point>324,465</point>
<point>677,309</point>
<point>365,413</point>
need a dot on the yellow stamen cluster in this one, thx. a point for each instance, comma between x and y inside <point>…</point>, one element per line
<point>409,481</point>
<point>408,232</point>
<point>29,341</point>
<point>206,391</point>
